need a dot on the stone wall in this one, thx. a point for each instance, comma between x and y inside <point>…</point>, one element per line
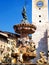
<point>48,45</point>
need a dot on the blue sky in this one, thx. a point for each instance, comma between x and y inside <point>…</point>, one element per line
<point>10,13</point>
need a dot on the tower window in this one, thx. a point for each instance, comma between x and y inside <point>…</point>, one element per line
<point>39,20</point>
<point>39,8</point>
<point>39,15</point>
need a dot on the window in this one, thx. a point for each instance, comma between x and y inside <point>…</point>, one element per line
<point>39,20</point>
<point>39,8</point>
<point>39,15</point>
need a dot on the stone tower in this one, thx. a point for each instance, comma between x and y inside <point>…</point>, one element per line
<point>40,19</point>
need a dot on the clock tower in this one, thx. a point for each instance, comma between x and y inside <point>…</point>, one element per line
<point>39,11</point>
<point>40,19</point>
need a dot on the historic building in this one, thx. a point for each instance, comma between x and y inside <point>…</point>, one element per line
<point>40,19</point>
<point>20,48</point>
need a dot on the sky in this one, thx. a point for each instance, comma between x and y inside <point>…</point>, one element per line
<point>10,13</point>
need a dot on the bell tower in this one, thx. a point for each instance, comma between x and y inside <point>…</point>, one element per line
<point>40,19</point>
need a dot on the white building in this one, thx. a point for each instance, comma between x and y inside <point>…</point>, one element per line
<point>40,19</point>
